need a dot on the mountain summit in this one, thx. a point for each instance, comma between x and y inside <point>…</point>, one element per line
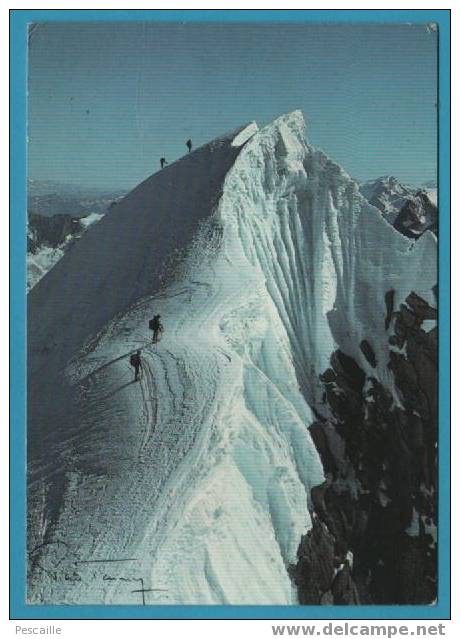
<point>411,211</point>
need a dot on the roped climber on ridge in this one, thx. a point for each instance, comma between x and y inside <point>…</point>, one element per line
<point>136,363</point>
<point>163,161</point>
<point>157,327</point>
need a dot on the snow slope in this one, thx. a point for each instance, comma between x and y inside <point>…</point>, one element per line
<point>261,256</point>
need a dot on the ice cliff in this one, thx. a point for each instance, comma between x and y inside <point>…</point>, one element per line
<point>262,258</point>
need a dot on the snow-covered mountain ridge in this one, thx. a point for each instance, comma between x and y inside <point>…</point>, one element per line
<point>262,258</point>
<point>412,211</point>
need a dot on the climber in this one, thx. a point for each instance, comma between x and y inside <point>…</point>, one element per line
<point>135,361</point>
<point>163,162</point>
<point>157,327</point>
<point>189,145</point>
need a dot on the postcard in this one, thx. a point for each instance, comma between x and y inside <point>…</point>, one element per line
<point>235,234</point>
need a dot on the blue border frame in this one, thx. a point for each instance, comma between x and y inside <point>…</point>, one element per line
<point>18,48</point>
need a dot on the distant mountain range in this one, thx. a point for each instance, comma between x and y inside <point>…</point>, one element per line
<point>52,198</point>
<point>58,215</point>
<point>412,211</point>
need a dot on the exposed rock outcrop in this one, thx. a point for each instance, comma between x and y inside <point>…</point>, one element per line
<point>379,452</point>
<point>51,231</point>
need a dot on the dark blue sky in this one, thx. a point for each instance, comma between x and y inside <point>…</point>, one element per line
<point>107,100</point>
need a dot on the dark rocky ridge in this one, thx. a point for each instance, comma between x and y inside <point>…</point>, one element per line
<point>49,199</point>
<point>418,215</point>
<point>370,541</point>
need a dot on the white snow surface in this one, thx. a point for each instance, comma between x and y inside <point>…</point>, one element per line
<point>91,218</point>
<point>433,195</point>
<point>243,136</point>
<point>39,263</point>
<point>261,259</point>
